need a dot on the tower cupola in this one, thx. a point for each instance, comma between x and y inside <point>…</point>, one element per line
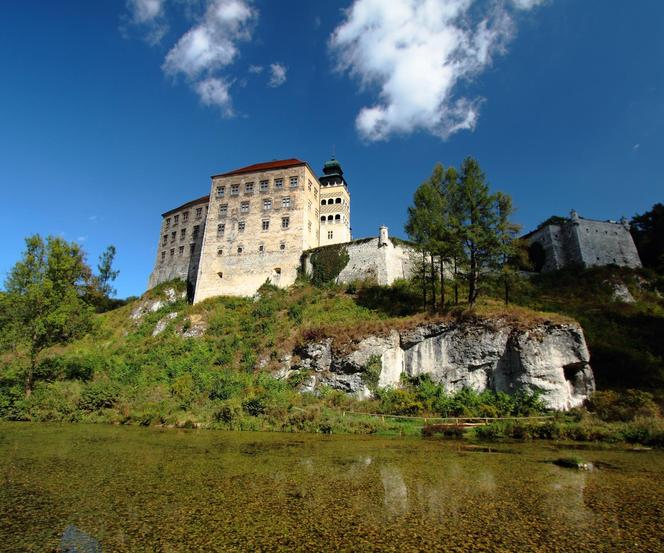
<point>333,174</point>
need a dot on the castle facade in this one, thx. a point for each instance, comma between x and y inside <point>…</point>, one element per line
<point>562,242</point>
<point>255,226</point>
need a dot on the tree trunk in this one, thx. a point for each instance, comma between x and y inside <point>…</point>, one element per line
<point>456,282</point>
<point>433,282</point>
<point>472,281</point>
<point>424,280</point>
<point>507,290</point>
<point>442,284</point>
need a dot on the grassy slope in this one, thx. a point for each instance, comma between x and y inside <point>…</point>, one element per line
<point>121,373</point>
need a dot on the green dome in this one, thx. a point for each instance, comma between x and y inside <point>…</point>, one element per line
<point>332,167</point>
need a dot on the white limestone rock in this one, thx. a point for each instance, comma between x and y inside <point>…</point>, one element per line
<point>155,304</point>
<point>163,323</point>
<point>620,293</point>
<point>551,359</point>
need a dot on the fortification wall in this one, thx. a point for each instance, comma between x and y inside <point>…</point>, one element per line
<point>376,259</point>
<point>605,243</point>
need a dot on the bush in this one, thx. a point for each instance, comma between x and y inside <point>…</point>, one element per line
<point>99,395</point>
<point>622,406</point>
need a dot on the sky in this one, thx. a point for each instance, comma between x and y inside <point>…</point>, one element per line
<point>112,112</point>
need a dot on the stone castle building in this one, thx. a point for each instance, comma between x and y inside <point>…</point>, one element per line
<point>561,242</point>
<point>257,223</point>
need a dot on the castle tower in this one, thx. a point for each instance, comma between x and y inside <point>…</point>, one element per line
<point>334,205</point>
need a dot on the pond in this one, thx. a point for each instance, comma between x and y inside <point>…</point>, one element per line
<point>143,489</point>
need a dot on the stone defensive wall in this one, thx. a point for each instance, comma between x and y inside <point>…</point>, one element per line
<point>382,258</point>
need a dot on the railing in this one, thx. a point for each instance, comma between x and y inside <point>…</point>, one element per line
<point>458,421</point>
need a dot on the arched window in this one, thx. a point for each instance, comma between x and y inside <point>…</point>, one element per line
<point>338,201</point>
<point>329,217</point>
<point>337,217</point>
<point>323,202</point>
<point>322,218</point>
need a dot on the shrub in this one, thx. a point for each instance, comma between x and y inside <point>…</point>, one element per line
<point>371,373</point>
<point>622,406</point>
<point>99,395</point>
<point>228,412</point>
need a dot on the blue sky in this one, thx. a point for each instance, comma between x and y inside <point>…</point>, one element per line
<point>112,112</point>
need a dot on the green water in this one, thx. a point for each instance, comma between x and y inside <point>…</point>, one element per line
<point>136,489</point>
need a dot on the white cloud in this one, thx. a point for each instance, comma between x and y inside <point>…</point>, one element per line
<point>527,4</point>
<point>150,14</point>
<point>144,11</point>
<point>214,92</point>
<point>636,147</point>
<point>255,69</point>
<point>212,44</point>
<point>416,52</point>
<point>277,75</point>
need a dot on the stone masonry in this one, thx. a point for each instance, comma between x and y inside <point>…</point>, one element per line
<point>584,242</point>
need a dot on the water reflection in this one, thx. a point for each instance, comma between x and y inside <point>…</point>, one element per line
<point>395,498</point>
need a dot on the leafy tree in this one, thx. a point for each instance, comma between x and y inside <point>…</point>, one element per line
<point>512,253</point>
<point>648,232</point>
<point>43,301</point>
<point>484,227</point>
<point>106,273</point>
<point>424,227</point>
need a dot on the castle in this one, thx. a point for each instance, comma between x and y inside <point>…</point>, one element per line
<point>561,242</point>
<point>264,222</point>
<point>267,221</point>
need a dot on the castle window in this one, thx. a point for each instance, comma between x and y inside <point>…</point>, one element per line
<point>165,241</point>
<point>309,185</point>
<point>172,252</point>
<point>221,191</point>
<point>278,183</point>
<point>223,210</point>
<point>220,275</point>
<point>264,185</point>
<point>249,188</point>
<point>323,202</point>
<point>235,189</point>
<point>337,201</point>
<point>309,226</point>
<point>322,218</point>
<point>239,250</point>
<point>168,222</point>
<point>329,217</point>
<point>285,201</point>
<point>316,213</point>
<point>199,212</point>
<point>267,204</point>
<point>220,252</point>
<point>330,234</point>
<point>176,219</point>
<point>285,221</point>
<point>315,193</point>
<point>185,217</point>
<point>293,182</point>
<point>194,233</point>
<point>309,206</point>
<point>241,226</point>
<point>192,248</point>
<point>220,229</point>
<point>244,207</point>
<point>183,233</point>
<point>337,217</point>
<point>261,248</point>
<point>266,225</point>
<point>173,235</point>
<point>181,251</point>
<point>282,246</point>
<point>163,256</point>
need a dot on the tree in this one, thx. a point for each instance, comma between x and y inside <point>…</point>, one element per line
<point>648,232</point>
<point>512,252</point>
<point>483,226</point>
<point>43,301</point>
<point>106,273</point>
<point>424,228</point>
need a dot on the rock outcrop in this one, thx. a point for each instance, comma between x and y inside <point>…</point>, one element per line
<point>548,358</point>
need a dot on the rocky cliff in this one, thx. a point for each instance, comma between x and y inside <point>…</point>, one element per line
<point>548,358</point>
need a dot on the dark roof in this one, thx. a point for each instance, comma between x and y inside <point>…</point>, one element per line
<point>267,166</point>
<point>202,199</point>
